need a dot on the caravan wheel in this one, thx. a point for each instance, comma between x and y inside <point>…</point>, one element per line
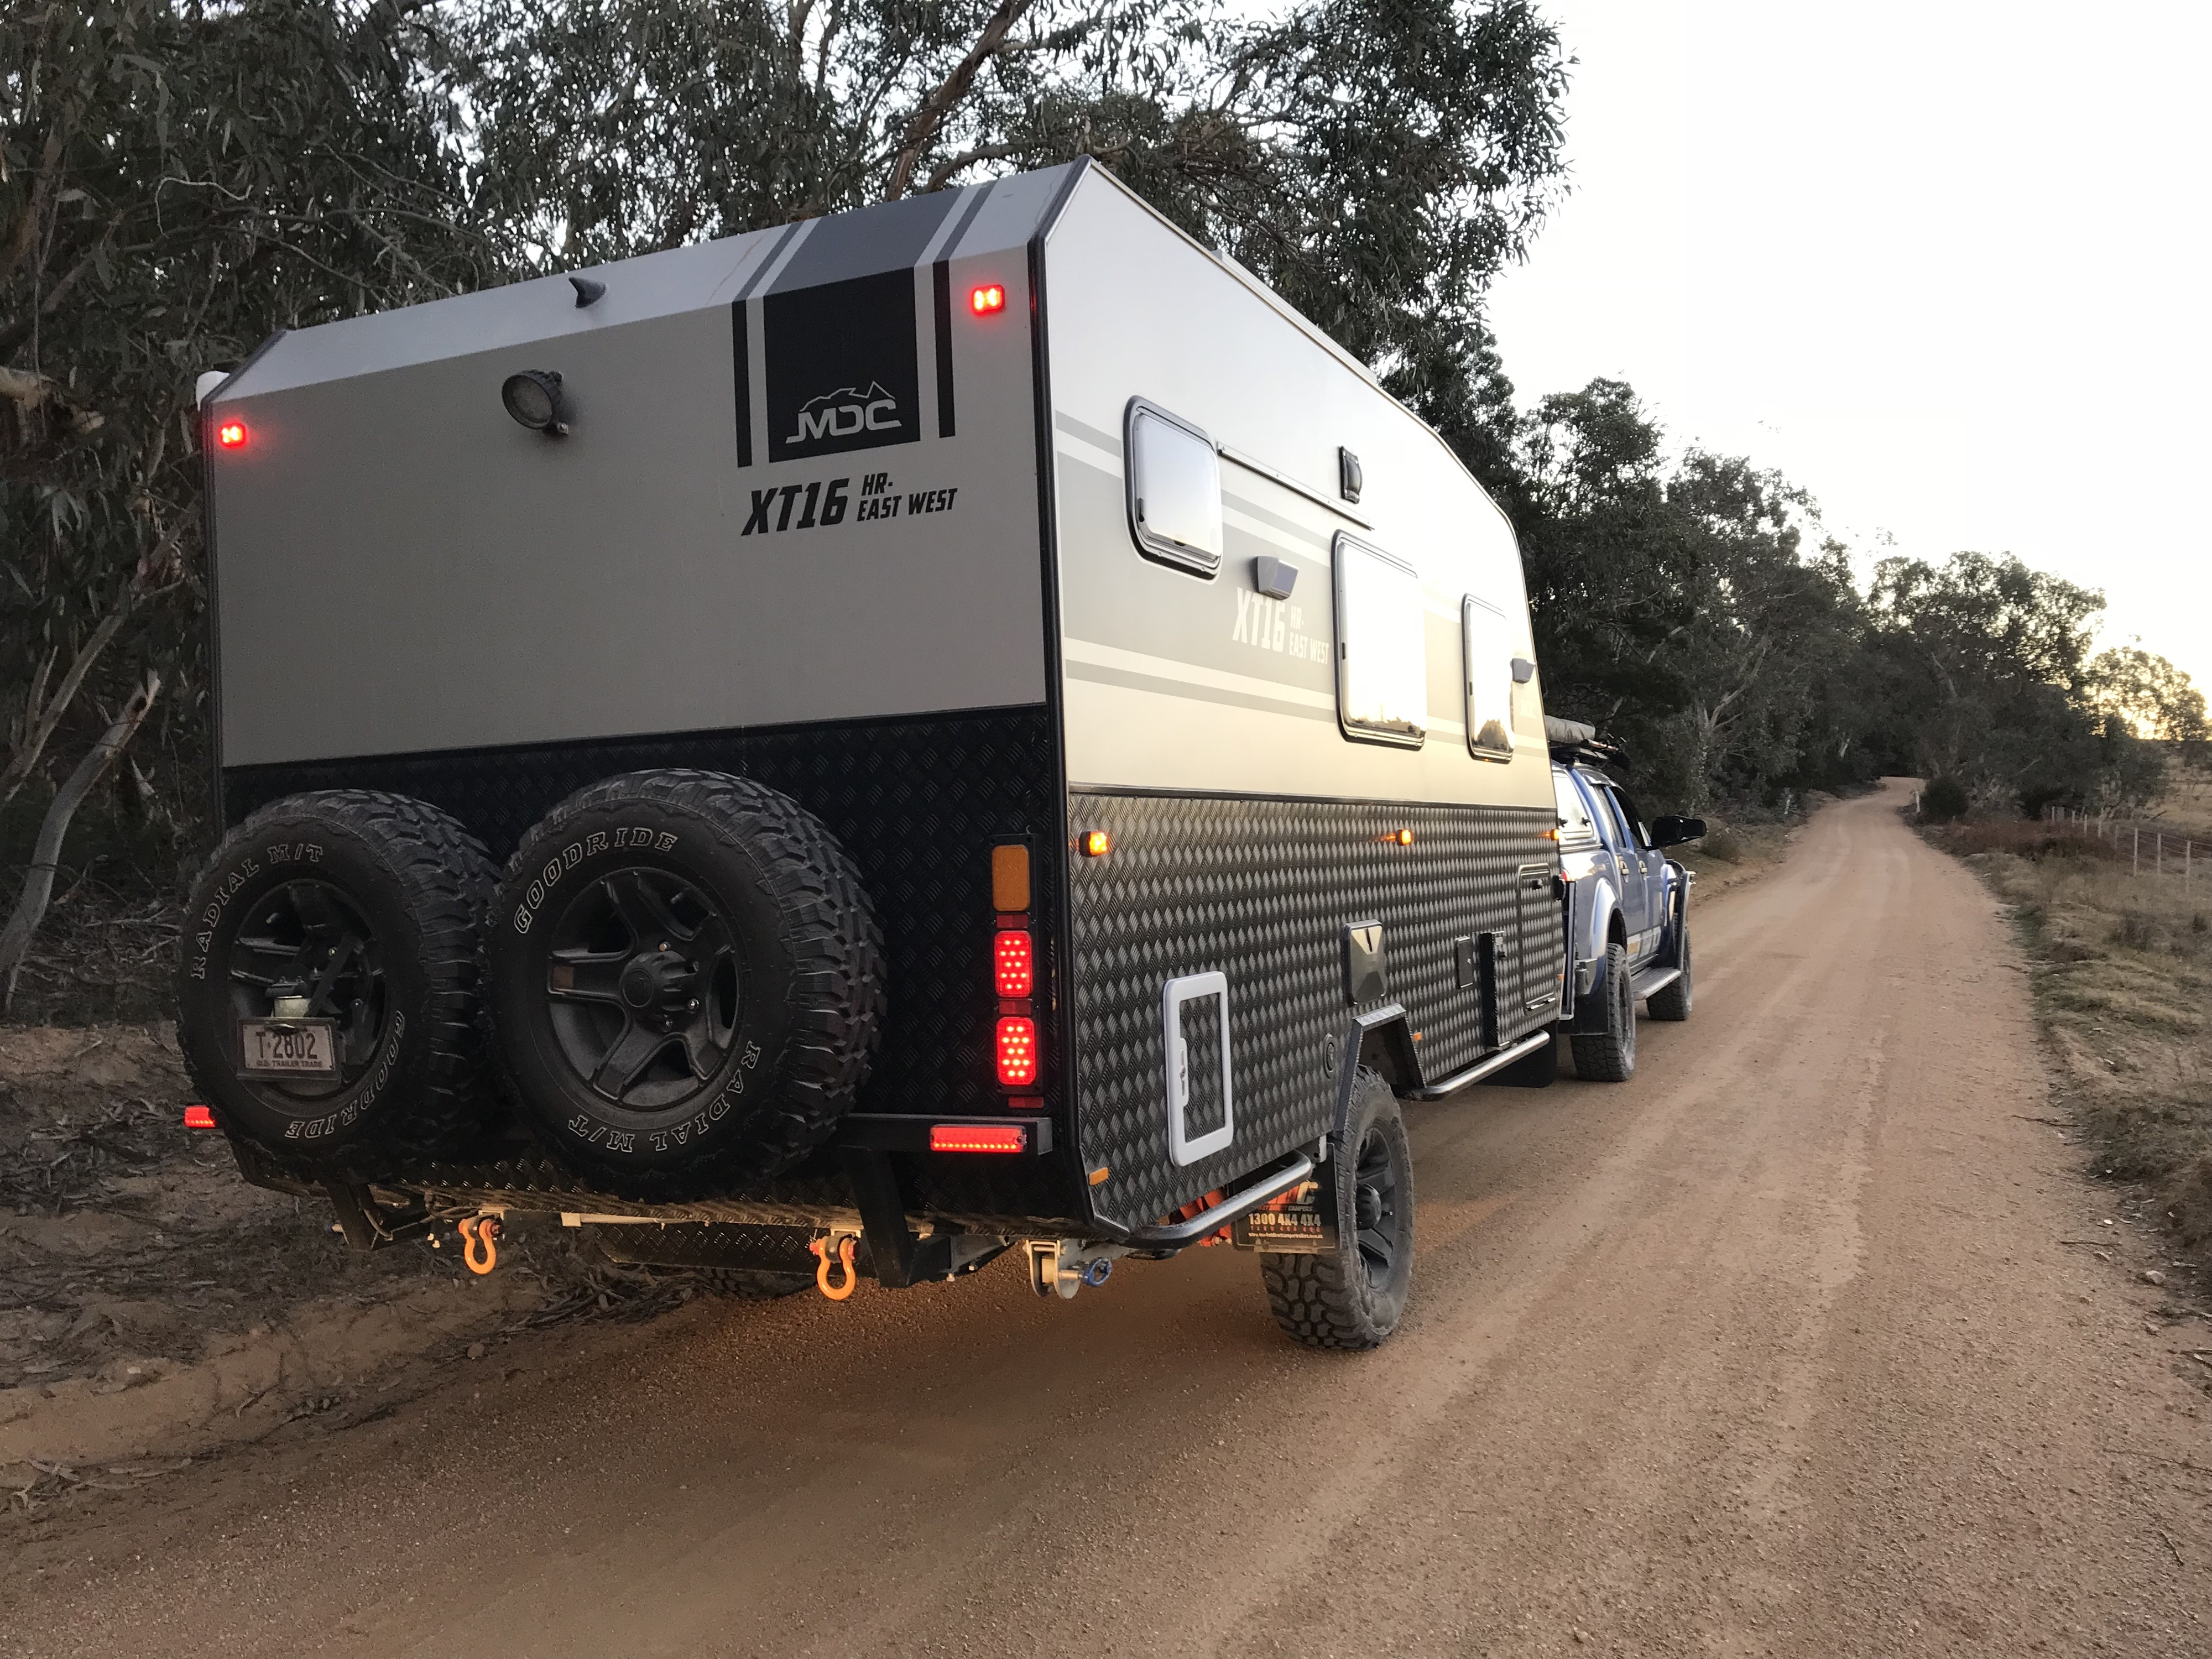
<point>686,982</point>
<point>326,991</point>
<point>1354,1294</point>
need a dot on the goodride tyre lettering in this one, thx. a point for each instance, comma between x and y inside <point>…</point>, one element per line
<point>356,912</point>
<point>687,981</point>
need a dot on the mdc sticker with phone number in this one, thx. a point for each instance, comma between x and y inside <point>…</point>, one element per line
<point>285,1048</point>
<point>1292,1225</point>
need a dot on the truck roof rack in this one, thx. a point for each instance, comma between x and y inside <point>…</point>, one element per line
<point>1577,740</point>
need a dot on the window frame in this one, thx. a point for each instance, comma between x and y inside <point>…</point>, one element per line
<point>1396,737</point>
<point>1469,604</point>
<point>1570,842</point>
<point>1159,548</point>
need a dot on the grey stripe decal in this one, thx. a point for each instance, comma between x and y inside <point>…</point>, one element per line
<point>890,236</point>
<point>966,217</point>
<point>1127,681</point>
<point>768,260</point>
<point>1253,509</point>
<point>1089,434</point>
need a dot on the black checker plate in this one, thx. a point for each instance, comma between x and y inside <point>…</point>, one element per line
<point>1260,889</point>
<point>916,803</point>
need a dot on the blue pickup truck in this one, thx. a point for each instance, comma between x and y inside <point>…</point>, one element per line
<point>1627,904</point>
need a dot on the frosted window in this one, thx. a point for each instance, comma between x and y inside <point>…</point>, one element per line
<point>1174,492</point>
<point>1382,655</point>
<point>1489,679</point>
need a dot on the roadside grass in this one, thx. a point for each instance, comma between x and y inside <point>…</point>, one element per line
<point>2122,979</point>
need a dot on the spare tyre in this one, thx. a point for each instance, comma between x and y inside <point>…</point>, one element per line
<point>326,988</point>
<point>686,982</point>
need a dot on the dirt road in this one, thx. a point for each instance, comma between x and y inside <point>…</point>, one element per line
<point>1779,1348</point>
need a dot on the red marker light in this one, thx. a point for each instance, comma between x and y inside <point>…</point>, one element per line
<point>988,299</point>
<point>1014,959</point>
<point>198,1117</point>
<point>231,434</point>
<point>1018,1052</point>
<point>979,1138</point>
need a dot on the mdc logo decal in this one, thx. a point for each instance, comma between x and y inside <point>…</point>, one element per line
<point>841,370</point>
<point>841,413</point>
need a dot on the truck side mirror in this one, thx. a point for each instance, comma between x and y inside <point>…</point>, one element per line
<point>1673,831</point>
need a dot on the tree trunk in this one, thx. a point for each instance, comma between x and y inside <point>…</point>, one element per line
<point>38,879</point>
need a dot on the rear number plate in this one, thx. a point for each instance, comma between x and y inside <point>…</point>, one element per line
<point>288,1047</point>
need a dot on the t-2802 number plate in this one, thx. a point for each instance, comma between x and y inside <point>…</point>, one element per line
<point>287,1049</point>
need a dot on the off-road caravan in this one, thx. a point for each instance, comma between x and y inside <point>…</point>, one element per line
<point>962,724</point>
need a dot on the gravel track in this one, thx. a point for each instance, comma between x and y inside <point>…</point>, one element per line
<point>1775,1349</point>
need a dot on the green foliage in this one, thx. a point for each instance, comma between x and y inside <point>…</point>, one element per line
<point>179,180</point>
<point>177,177</point>
<point>1944,800</point>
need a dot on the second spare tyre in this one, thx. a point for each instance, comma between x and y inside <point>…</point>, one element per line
<point>686,982</point>
<point>326,990</point>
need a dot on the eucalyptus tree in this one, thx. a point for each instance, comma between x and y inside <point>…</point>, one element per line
<point>176,180</point>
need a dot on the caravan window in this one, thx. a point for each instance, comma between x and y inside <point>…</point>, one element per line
<point>1489,646</point>
<point>1381,656</point>
<point>1174,490</point>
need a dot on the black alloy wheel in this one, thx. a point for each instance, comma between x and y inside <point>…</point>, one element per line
<point>306,939</point>
<point>1375,1208</point>
<point>1352,1292</point>
<point>686,982</point>
<point>643,984</point>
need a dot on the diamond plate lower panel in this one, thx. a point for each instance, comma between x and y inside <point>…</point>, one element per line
<point>1260,891</point>
<point>917,804</point>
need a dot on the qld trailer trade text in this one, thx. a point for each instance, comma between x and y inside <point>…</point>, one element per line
<point>963,724</point>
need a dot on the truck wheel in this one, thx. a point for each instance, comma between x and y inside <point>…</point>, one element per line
<point>359,909</point>
<point>1674,1002</point>
<point>1609,1056</point>
<point>1353,1296</point>
<point>686,982</point>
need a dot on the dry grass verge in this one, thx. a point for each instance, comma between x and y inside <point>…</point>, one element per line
<point>2122,985</point>
<point>156,1307</point>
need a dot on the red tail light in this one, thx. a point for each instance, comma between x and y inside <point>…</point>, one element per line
<point>979,1138</point>
<point>1018,1052</point>
<point>198,1117</point>
<point>990,297</point>
<point>1014,959</point>
<point>231,434</point>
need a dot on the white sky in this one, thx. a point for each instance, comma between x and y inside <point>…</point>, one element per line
<point>1942,263</point>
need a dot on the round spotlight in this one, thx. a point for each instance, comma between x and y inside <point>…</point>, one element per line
<point>533,398</point>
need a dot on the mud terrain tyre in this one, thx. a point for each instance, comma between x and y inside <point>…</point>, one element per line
<point>1609,1056</point>
<point>1674,1002</point>
<point>1354,1296</point>
<point>367,905</point>
<point>686,982</point>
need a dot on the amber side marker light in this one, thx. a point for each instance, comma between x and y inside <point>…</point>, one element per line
<point>198,1117</point>
<point>979,1137</point>
<point>1405,838</point>
<point>990,297</point>
<point>1096,843</point>
<point>1010,878</point>
<point>231,434</point>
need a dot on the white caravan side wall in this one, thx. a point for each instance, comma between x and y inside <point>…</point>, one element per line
<point>1172,681</point>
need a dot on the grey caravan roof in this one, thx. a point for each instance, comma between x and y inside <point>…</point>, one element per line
<point>1004,214</point>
